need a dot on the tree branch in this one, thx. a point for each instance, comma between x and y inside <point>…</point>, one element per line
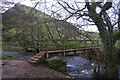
<point>107,6</point>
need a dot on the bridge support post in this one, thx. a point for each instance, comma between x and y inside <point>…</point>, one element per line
<point>75,51</point>
<point>47,55</point>
<point>64,53</point>
<point>84,49</point>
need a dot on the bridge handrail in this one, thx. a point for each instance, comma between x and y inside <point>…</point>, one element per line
<point>63,43</point>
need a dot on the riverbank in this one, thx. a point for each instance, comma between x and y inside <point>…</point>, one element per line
<point>12,48</point>
<point>16,68</point>
<point>17,54</point>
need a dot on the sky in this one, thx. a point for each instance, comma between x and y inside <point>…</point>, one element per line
<point>92,28</point>
<point>55,7</point>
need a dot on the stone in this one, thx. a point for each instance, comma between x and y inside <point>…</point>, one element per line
<point>3,63</point>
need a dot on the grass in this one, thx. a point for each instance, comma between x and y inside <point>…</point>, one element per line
<point>7,48</point>
<point>6,56</point>
<point>11,46</point>
<point>54,74</point>
<point>48,70</point>
<point>4,43</point>
<point>42,76</point>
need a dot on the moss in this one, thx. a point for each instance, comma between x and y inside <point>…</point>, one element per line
<point>117,35</point>
<point>117,50</point>
<point>117,45</point>
<point>58,65</point>
<point>40,61</point>
<point>42,76</point>
<point>49,70</point>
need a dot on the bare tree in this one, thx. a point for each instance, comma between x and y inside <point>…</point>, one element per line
<point>104,23</point>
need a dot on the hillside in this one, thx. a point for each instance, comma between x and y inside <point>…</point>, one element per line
<point>20,17</point>
<point>27,26</point>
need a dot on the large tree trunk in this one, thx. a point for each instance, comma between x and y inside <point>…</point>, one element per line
<point>111,60</point>
<point>111,56</point>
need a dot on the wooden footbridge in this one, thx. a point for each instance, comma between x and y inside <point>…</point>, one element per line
<point>54,46</point>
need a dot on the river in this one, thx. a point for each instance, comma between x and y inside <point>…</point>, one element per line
<point>79,67</point>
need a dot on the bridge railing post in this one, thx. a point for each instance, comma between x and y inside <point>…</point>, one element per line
<point>75,52</point>
<point>64,48</point>
<point>40,45</point>
<point>47,55</point>
<point>91,46</point>
<point>85,45</point>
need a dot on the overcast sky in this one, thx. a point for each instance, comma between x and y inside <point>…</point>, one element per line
<point>86,28</point>
<point>55,7</point>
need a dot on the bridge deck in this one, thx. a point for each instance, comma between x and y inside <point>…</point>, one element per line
<point>69,50</point>
<point>64,51</point>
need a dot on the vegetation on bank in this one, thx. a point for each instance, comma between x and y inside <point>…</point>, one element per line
<point>58,65</point>
<point>6,56</point>
<point>54,63</point>
<point>11,46</point>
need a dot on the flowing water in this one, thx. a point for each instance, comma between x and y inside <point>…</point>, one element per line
<point>79,67</point>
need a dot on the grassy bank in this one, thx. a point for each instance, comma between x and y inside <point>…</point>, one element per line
<point>6,56</point>
<point>11,46</point>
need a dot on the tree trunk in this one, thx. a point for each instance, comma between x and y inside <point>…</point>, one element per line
<point>111,56</point>
<point>111,61</point>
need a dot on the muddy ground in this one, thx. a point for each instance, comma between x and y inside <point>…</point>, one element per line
<point>18,68</point>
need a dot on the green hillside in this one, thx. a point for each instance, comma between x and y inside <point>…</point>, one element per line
<point>25,26</point>
<point>22,16</point>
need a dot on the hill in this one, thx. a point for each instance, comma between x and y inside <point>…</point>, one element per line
<point>27,26</point>
<point>21,16</point>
